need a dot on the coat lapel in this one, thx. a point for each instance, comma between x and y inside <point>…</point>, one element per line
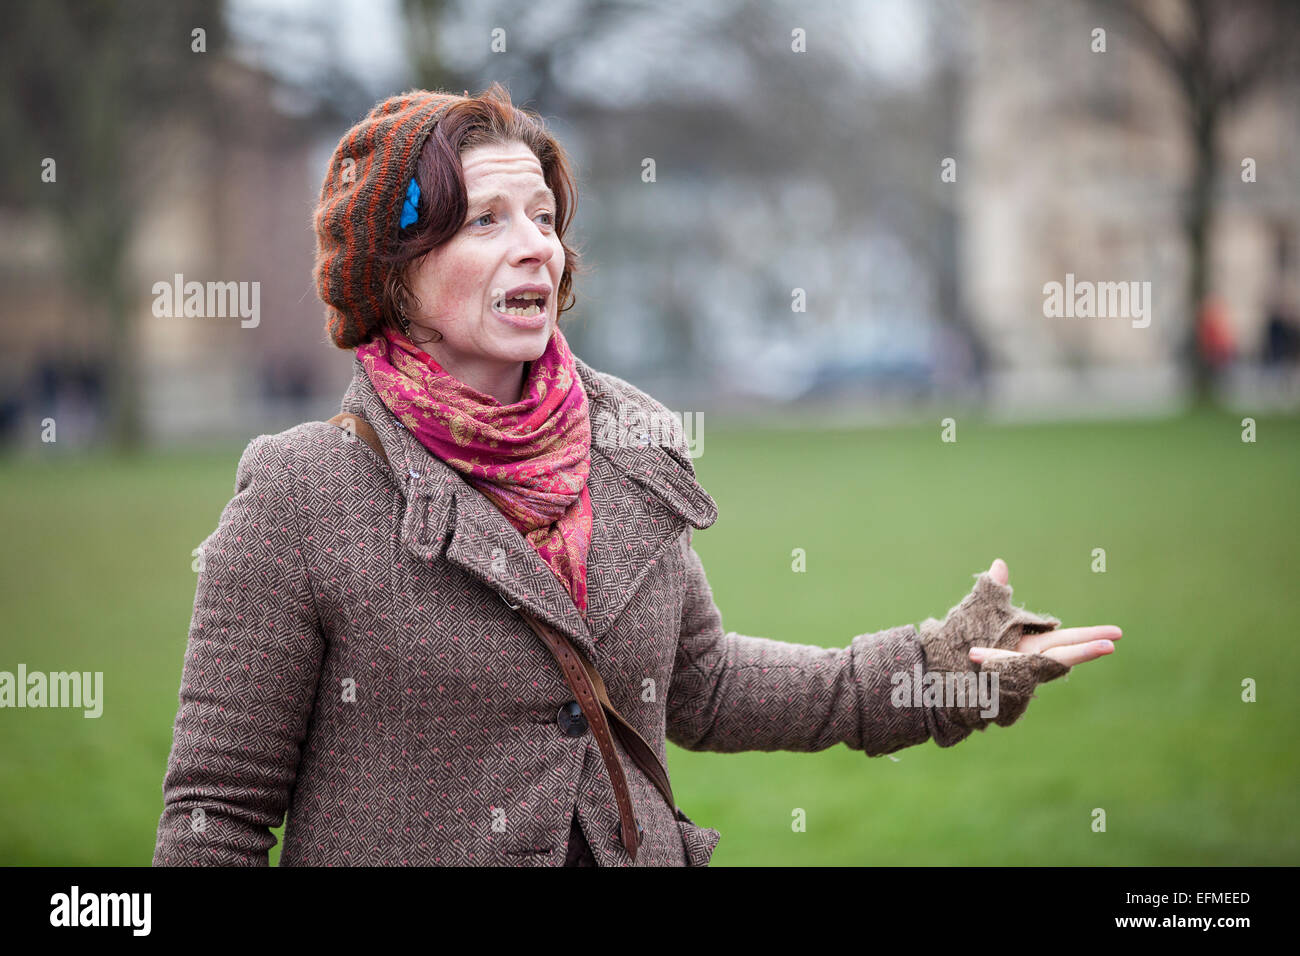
<point>642,497</point>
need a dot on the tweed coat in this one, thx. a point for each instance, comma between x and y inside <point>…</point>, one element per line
<point>355,660</point>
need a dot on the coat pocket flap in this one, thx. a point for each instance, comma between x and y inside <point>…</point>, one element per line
<point>698,842</point>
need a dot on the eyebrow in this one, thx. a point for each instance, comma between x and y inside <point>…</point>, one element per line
<point>543,192</point>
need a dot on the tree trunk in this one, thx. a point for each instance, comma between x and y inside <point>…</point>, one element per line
<point>125,423</point>
<point>1199,222</point>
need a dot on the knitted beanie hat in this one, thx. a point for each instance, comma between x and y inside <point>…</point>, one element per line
<point>360,202</point>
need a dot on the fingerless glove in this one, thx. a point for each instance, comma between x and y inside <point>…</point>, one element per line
<point>986,618</point>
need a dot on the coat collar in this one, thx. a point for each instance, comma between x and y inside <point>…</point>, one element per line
<point>643,494</point>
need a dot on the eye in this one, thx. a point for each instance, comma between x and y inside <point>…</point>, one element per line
<point>549,216</point>
<point>479,220</point>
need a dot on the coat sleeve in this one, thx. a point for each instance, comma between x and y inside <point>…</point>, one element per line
<point>248,681</point>
<point>730,692</point>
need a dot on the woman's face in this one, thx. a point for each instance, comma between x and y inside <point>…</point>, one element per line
<point>491,289</point>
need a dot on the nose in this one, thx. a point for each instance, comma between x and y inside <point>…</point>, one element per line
<point>531,245</point>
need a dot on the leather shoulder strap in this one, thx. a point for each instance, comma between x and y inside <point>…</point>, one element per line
<point>575,671</point>
<point>633,742</point>
<point>356,425</point>
<point>589,690</point>
<point>586,683</point>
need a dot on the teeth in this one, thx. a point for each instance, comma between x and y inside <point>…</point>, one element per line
<point>538,300</point>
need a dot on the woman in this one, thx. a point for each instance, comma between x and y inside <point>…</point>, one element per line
<point>359,655</point>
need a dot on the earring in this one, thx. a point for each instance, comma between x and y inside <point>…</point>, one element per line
<point>406,328</point>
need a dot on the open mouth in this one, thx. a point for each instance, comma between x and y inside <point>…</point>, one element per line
<point>524,304</point>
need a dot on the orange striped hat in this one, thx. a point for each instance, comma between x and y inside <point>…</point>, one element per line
<point>360,202</point>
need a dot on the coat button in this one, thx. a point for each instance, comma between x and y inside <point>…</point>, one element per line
<point>571,719</point>
<point>618,834</point>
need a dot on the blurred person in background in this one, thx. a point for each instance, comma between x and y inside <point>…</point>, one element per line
<point>1282,324</point>
<point>1215,337</point>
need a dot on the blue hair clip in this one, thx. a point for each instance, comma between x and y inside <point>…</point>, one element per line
<point>410,209</point>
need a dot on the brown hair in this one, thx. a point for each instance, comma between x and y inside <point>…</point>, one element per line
<point>488,118</point>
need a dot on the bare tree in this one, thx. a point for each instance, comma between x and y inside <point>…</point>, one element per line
<point>84,84</point>
<point>770,118</point>
<point>1217,55</point>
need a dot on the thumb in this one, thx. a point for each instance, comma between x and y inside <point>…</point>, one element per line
<point>998,571</point>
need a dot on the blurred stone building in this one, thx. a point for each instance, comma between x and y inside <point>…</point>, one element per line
<point>239,210</point>
<point>1068,162</point>
<point>232,203</point>
<point>1076,161</point>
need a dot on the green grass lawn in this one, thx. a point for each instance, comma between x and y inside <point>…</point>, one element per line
<point>1202,540</point>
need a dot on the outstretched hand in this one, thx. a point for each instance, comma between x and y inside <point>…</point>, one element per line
<point>1070,646</point>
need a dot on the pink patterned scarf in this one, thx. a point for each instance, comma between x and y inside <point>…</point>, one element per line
<point>531,459</point>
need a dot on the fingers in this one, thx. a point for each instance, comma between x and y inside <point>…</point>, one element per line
<point>1080,653</point>
<point>1069,655</point>
<point>998,571</point>
<point>1038,643</point>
